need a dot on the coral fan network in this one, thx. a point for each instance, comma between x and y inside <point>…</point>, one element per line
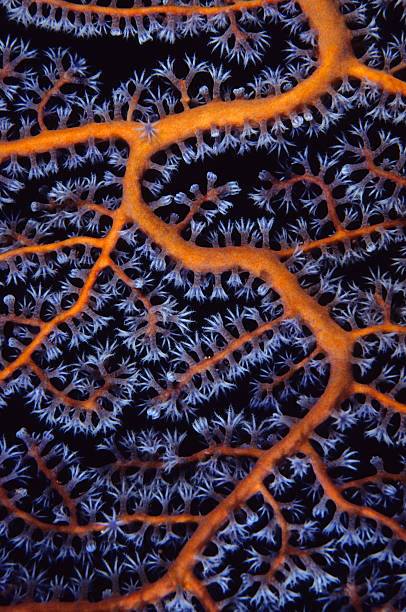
<point>202,305</point>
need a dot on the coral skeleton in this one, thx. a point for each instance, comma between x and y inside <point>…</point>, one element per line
<point>202,308</point>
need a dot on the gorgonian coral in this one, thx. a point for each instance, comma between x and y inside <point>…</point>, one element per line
<point>203,309</point>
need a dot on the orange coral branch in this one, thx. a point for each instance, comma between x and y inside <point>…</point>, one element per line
<point>209,362</point>
<point>390,328</point>
<point>152,318</point>
<point>283,524</point>
<point>400,66</point>
<point>384,79</point>
<point>51,92</point>
<point>333,492</point>
<point>20,320</point>
<point>342,235</point>
<point>386,400</point>
<point>387,174</point>
<point>104,260</point>
<point>89,404</point>
<point>54,246</point>
<point>374,478</point>
<point>73,527</point>
<point>86,204</point>
<point>220,449</point>
<point>50,474</point>
<point>48,327</point>
<point>327,193</point>
<point>195,207</point>
<point>279,379</point>
<point>155,9</point>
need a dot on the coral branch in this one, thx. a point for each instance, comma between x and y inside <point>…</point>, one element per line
<point>378,477</point>
<point>389,328</point>
<point>284,529</point>
<point>209,362</point>
<point>216,450</point>
<point>385,400</point>
<point>124,336</point>
<point>49,248</point>
<point>63,80</point>
<point>327,193</point>
<point>342,235</point>
<point>377,171</point>
<point>59,488</point>
<point>384,79</point>
<point>333,492</point>
<point>146,10</point>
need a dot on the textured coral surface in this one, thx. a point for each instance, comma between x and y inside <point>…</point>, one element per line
<point>202,278</point>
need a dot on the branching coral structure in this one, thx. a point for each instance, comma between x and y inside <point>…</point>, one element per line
<point>203,385</point>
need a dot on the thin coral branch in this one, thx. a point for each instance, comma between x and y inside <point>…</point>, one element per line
<point>48,327</point>
<point>215,450</point>
<point>55,483</point>
<point>103,261</point>
<point>385,80</point>
<point>377,171</point>
<point>385,400</point>
<point>49,248</point>
<point>343,235</point>
<point>283,524</point>
<point>152,317</point>
<point>380,328</point>
<point>18,320</point>
<point>196,204</point>
<point>378,477</point>
<point>73,527</point>
<point>209,362</point>
<point>268,387</point>
<point>326,190</point>
<point>145,10</point>
<point>102,210</point>
<point>88,404</point>
<point>63,80</point>
<point>333,492</point>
